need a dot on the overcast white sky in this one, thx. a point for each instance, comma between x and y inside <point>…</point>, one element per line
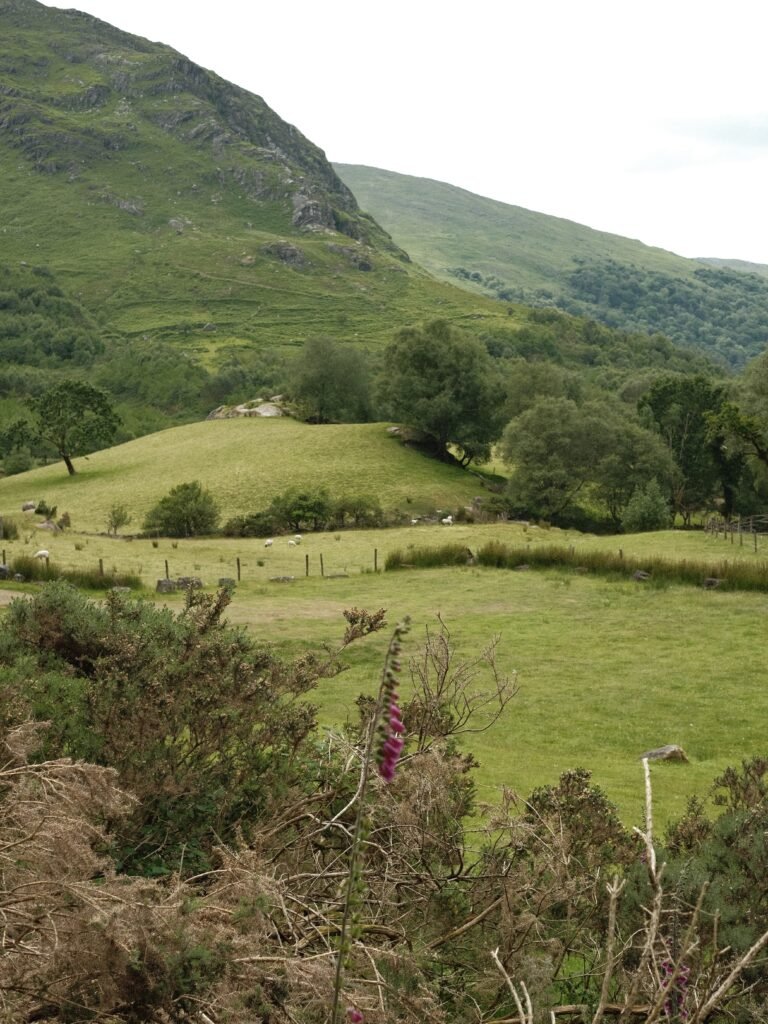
<point>646,119</point>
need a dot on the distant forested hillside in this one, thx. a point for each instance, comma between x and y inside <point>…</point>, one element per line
<point>522,256</point>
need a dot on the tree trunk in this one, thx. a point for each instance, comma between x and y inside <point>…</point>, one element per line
<point>68,463</point>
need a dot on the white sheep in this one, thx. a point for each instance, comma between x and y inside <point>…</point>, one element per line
<point>41,554</point>
<point>448,521</point>
<point>297,538</point>
<point>268,543</point>
<point>291,543</point>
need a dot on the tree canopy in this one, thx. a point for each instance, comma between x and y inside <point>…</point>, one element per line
<point>71,416</point>
<point>329,383</point>
<point>445,385</point>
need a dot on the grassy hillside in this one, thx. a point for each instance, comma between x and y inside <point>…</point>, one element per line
<point>176,205</point>
<point>493,248</point>
<point>244,463</point>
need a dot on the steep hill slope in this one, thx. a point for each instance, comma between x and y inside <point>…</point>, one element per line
<point>519,255</point>
<point>178,205</point>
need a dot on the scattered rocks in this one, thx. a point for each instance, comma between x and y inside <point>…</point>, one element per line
<point>166,587</point>
<point>669,752</point>
<point>281,579</point>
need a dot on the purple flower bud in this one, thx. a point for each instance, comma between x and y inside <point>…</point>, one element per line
<point>354,1016</point>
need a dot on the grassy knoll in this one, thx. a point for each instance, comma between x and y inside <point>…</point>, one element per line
<point>606,668</point>
<point>244,463</point>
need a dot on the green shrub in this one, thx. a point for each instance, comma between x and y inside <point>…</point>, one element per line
<point>188,510</point>
<point>301,508</point>
<point>646,510</point>
<point>255,524</point>
<point>358,510</point>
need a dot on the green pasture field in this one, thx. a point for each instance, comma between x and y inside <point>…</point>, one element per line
<point>606,669</point>
<point>244,462</point>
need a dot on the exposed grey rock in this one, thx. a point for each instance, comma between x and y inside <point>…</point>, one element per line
<point>281,579</point>
<point>641,575</point>
<point>669,752</point>
<point>29,506</point>
<point>189,583</point>
<point>286,252</point>
<point>5,572</point>
<point>711,583</point>
<point>166,586</point>
<point>228,582</point>
<point>357,257</point>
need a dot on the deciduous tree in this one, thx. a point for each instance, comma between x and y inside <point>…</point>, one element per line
<point>444,384</point>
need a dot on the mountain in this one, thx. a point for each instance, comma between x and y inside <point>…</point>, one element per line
<point>178,206</point>
<point>169,236</point>
<point>518,255</point>
<point>744,266</point>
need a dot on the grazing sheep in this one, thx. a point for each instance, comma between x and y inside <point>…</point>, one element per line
<point>297,538</point>
<point>448,521</point>
<point>41,554</point>
<point>291,543</point>
<point>268,543</point>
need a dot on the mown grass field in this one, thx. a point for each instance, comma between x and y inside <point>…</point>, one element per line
<point>606,669</point>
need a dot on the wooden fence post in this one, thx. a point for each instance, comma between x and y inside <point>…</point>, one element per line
<point>306,565</point>
<point>322,569</point>
<point>167,576</point>
<point>375,559</point>
<point>101,566</point>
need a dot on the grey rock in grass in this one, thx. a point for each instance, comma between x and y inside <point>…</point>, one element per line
<point>711,583</point>
<point>166,587</point>
<point>189,583</point>
<point>228,582</point>
<point>641,575</point>
<point>281,579</point>
<point>669,752</point>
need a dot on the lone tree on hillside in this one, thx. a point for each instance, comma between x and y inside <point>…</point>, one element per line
<point>71,416</point>
<point>444,384</point>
